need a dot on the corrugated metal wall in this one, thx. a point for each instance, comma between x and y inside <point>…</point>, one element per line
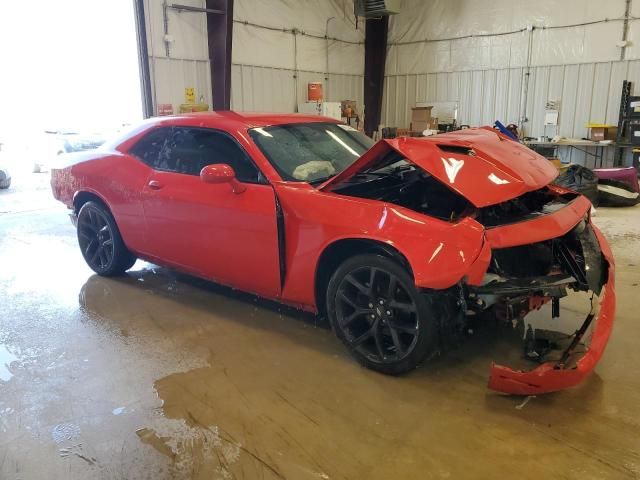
<point>188,62</point>
<point>264,58</point>
<point>266,89</point>
<point>587,92</point>
<point>172,75</point>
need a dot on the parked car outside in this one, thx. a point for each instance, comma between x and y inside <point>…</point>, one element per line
<point>59,142</point>
<point>5,175</point>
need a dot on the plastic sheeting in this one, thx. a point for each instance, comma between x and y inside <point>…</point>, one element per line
<point>448,20</point>
<point>259,47</point>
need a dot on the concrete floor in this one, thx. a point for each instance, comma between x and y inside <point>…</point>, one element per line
<point>157,375</point>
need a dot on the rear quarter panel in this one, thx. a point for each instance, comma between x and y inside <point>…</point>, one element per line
<point>114,177</point>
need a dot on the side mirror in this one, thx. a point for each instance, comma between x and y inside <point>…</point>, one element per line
<point>221,173</point>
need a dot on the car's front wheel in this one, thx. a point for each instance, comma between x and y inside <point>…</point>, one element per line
<point>100,241</point>
<point>379,314</point>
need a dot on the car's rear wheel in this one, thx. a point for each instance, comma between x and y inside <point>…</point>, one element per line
<point>100,241</point>
<point>379,314</point>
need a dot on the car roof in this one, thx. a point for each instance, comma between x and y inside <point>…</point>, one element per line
<point>228,118</point>
<point>225,120</point>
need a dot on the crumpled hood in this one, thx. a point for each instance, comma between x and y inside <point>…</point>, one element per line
<point>480,164</point>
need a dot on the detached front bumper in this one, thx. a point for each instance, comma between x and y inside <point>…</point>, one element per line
<point>552,376</point>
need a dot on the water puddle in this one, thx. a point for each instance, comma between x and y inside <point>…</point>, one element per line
<point>6,359</point>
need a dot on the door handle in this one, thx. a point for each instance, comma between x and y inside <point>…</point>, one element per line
<point>154,185</point>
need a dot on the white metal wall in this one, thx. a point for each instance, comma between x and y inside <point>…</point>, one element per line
<point>476,53</point>
<point>587,92</point>
<point>267,54</point>
<point>267,89</point>
<point>188,62</point>
<point>279,47</point>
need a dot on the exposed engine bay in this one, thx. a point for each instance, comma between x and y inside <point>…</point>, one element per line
<point>402,184</point>
<point>525,207</point>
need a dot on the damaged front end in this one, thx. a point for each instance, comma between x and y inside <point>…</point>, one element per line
<point>539,246</point>
<point>521,278</point>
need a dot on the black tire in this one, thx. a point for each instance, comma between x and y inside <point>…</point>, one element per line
<point>6,183</point>
<point>100,241</point>
<point>386,324</point>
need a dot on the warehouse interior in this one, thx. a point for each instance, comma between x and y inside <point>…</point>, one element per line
<point>161,374</point>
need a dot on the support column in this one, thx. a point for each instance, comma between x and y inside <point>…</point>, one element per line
<point>143,59</point>
<point>375,56</point>
<point>220,34</point>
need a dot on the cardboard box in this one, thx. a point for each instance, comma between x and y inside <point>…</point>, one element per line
<point>420,113</point>
<point>431,124</point>
<point>598,134</point>
<point>349,108</point>
<point>421,119</point>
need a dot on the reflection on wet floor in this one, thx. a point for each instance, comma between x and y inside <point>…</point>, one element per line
<point>159,375</point>
<point>6,359</point>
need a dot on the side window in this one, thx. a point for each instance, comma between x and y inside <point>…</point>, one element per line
<point>188,150</point>
<point>149,147</point>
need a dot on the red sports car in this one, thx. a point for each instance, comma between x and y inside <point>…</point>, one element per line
<point>398,242</point>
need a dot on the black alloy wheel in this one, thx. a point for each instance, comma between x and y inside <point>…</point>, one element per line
<point>100,241</point>
<point>378,313</point>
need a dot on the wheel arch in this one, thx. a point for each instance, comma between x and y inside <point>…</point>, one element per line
<point>83,196</point>
<point>338,251</point>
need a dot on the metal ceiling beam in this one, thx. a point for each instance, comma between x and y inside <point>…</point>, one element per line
<point>220,33</point>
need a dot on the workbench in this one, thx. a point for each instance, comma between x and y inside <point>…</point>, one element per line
<point>581,146</point>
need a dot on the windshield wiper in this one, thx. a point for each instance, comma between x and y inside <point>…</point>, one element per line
<point>322,180</point>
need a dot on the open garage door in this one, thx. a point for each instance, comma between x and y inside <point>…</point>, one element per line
<point>70,80</point>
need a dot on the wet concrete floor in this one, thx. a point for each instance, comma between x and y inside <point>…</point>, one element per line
<point>158,375</point>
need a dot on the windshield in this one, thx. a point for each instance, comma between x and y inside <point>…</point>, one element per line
<point>310,152</point>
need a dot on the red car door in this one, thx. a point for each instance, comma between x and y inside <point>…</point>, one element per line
<point>207,229</point>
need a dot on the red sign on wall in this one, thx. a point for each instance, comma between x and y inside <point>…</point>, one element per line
<point>165,109</point>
